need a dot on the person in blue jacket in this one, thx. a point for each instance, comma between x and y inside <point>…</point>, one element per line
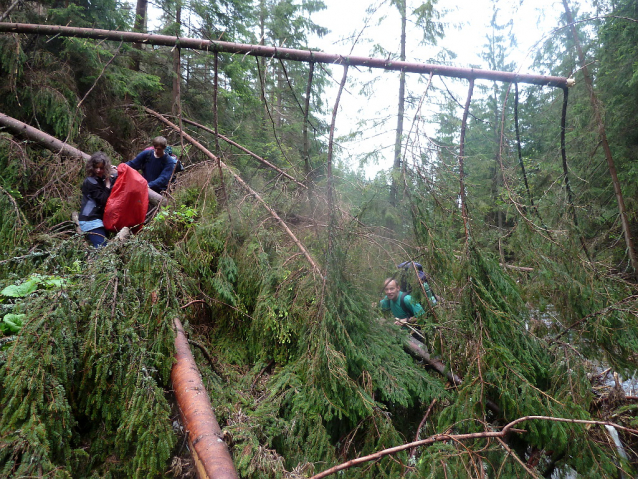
<point>404,309</point>
<point>156,165</point>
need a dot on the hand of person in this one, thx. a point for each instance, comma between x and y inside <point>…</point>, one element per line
<point>107,181</point>
<point>400,322</point>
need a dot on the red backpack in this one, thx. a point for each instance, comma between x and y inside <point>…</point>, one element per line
<point>128,203</point>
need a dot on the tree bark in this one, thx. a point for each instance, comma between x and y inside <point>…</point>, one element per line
<point>596,106</point>
<point>288,54</point>
<point>205,440</point>
<point>177,68</point>
<point>139,26</point>
<point>396,168</point>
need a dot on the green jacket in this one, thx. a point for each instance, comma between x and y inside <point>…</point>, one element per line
<point>412,308</point>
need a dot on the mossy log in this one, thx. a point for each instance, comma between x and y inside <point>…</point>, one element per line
<point>209,450</point>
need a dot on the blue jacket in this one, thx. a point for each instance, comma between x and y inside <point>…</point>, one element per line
<point>156,171</point>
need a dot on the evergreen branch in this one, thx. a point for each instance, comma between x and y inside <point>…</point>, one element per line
<point>597,313</point>
<point>464,437</point>
<point>77,108</point>
<point>534,387</point>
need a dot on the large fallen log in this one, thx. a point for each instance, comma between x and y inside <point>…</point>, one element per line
<point>286,53</point>
<point>22,130</point>
<point>209,450</point>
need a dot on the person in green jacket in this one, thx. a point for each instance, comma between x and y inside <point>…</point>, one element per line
<point>404,309</point>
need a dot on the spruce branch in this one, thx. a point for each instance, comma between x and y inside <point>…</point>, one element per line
<point>77,107</point>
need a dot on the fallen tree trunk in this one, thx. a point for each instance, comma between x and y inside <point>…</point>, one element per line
<point>286,54</point>
<point>20,129</point>
<point>209,450</point>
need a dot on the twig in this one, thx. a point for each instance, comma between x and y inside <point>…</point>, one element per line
<point>193,302</point>
<point>418,429</point>
<point>462,437</point>
<point>18,258</point>
<point>265,368</point>
<point>515,456</point>
<point>6,340</point>
<point>206,354</point>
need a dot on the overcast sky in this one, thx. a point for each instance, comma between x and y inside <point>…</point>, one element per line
<point>467,24</point>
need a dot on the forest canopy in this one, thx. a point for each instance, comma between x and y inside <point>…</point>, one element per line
<point>272,250</point>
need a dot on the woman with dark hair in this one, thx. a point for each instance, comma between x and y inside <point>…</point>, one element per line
<point>95,191</point>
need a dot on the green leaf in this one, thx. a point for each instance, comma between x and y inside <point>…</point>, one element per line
<point>14,322</point>
<point>53,282</point>
<point>20,290</point>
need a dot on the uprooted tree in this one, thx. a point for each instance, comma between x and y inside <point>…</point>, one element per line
<point>271,254</point>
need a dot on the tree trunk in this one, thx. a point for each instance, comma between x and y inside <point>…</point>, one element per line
<point>205,439</point>
<point>139,26</point>
<point>288,54</point>
<point>596,106</point>
<point>17,128</point>
<point>396,168</point>
<point>177,74</point>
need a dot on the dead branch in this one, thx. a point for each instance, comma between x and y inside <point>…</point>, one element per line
<point>8,10</point>
<point>418,429</point>
<point>283,224</point>
<point>508,428</point>
<point>245,150</point>
<point>466,219</point>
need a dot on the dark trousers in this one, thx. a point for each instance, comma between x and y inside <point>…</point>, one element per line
<point>97,237</point>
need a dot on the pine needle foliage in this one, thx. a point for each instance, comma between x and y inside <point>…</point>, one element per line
<point>84,387</point>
